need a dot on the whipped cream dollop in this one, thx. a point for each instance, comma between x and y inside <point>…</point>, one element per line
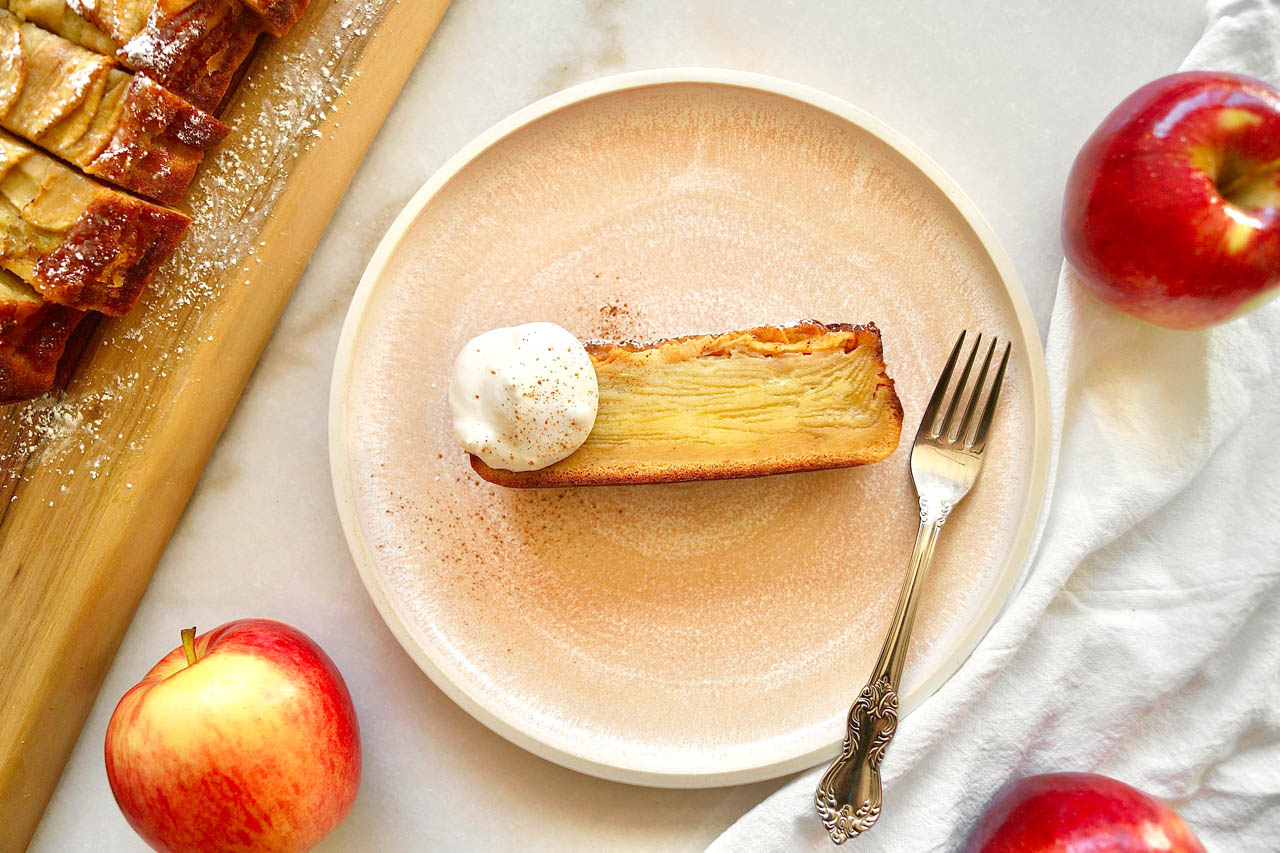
<point>523,397</point>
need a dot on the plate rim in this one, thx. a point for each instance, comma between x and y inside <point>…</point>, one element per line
<point>699,773</point>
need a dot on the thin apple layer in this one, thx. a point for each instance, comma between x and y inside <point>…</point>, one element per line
<point>78,242</point>
<point>769,400</point>
<point>77,105</point>
<point>193,48</point>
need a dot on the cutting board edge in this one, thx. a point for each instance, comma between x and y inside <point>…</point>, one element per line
<point>51,721</point>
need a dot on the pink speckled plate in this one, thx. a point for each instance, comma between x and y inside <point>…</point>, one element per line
<point>705,633</point>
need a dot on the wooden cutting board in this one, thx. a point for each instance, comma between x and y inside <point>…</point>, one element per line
<point>92,481</point>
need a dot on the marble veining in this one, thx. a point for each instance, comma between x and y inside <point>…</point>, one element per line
<point>999,95</point>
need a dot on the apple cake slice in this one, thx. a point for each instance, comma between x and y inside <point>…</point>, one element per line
<point>33,333</point>
<point>77,105</point>
<point>191,47</point>
<point>77,242</point>
<point>769,400</point>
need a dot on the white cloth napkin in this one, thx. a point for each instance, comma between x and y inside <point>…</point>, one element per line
<point>1145,643</point>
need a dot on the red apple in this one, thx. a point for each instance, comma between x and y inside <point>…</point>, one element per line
<point>243,739</point>
<point>1079,813</point>
<point>1172,210</point>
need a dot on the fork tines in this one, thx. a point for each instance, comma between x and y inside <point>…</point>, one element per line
<point>949,430</point>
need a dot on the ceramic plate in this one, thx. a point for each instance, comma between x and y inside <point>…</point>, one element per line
<point>696,634</point>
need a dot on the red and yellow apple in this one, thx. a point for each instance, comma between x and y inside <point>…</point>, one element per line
<point>1079,812</point>
<point>1172,209</point>
<point>242,739</point>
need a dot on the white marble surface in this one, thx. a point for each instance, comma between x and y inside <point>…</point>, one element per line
<point>999,93</point>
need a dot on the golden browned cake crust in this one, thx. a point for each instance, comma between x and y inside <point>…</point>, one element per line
<point>157,143</point>
<point>769,400</point>
<point>79,243</point>
<point>280,15</point>
<point>77,105</point>
<point>33,333</point>
<point>193,49</point>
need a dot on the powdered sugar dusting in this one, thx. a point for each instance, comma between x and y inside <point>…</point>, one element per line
<point>281,110</point>
<point>159,54</point>
<point>753,607</point>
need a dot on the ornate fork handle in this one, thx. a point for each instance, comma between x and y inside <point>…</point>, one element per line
<point>946,458</point>
<point>848,798</point>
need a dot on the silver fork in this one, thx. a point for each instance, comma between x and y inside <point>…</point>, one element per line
<point>945,460</point>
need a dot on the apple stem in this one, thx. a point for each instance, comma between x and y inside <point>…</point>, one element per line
<point>189,645</point>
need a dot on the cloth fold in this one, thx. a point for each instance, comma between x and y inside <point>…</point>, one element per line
<point>1145,641</point>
